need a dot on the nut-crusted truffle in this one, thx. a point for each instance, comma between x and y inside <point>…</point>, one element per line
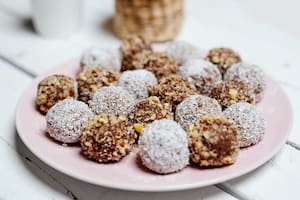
<point>163,147</point>
<point>66,119</point>
<point>112,100</point>
<point>53,89</point>
<point>223,58</point>
<point>231,92</point>
<point>107,138</point>
<point>249,121</point>
<point>213,141</point>
<point>194,107</point>
<point>97,57</point>
<point>173,89</point>
<point>91,79</point>
<point>147,110</point>
<point>130,48</point>
<point>203,74</point>
<point>137,82</point>
<point>252,75</point>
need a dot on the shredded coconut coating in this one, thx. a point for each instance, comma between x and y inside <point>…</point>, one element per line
<point>213,141</point>
<point>97,57</point>
<point>66,119</point>
<point>52,89</point>
<point>173,89</point>
<point>91,79</point>
<point>163,147</point>
<point>194,107</point>
<point>203,74</point>
<point>112,100</point>
<point>231,92</point>
<point>251,75</point>
<point>224,58</point>
<point>107,138</point>
<point>137,82</point>
<point>183,51</point>
<point>249,121</point>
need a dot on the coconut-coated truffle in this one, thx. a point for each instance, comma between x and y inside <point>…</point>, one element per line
<point>52,89</point>
<point>163,147</point>
<point>213,141</point>
<point>252,75</point>
<point>66,119</point>
<point>194,107</point>
<point>137,82</point>
<point>249,121</point>
<point>223,58</point>
<point>91,79</point>
<point>107,138</point>
<point>112,100</point>
<point>203,74</point>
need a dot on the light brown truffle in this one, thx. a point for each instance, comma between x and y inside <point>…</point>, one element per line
<point>53,89</point>
<point>91,79</point>
<point>107,138</point>
<point>213,141</point>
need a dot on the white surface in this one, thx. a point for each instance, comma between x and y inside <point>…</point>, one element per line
<point>265,33</point>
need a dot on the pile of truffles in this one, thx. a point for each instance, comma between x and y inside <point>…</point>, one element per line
<point>177,107</point>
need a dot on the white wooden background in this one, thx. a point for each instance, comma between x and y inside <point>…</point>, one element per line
<point>264,32</point>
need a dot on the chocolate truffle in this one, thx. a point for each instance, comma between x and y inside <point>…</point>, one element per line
<point>97,57</point>
<point>163,147</point>
<point>231,92</point>
<point>203,74</point>
<point>173,89</point>
<point>91,79</point>
<point>137,82</point>
<point>194,107</point>
<point>249,121</point>
<point>66,119</point>
<point>112,100</point>
<point>183,51</point>
<point>107,138</point>
<point>223,58</point>
<point>252,75</point>
<point>213,141</point>
<point>53,89</point>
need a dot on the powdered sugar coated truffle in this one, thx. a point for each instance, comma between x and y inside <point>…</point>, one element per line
<point>112,100</point>
<point>249,121</point>
<point>137,82</point>
<point>203,74</point>
<point>66,119</point>
<point>163,147</point>
<point>194,107</point>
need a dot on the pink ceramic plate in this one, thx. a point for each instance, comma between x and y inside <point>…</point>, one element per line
<point>128,174</point>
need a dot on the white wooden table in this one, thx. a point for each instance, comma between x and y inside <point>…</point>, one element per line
<point>266,33</point>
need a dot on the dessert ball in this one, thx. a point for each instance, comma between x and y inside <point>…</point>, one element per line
<point>194,107</point>
<point>163,147</point>
<point>91,79</point>
<point>223,58</point>
<point>183,51</point>
<point>66,119</point>
<point>249,121</point>
<point>130,48</point>
<point>97,57</point>
<point>231,92</point>
<point>147,110</point>
<point>112,100</point>
<point>137,82</point>
<point>203,74</point>
<point>107,138</point>
<point>251,75</point>
<point>173,89</point>
<point>53,89</point>
<point>214,141</point>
